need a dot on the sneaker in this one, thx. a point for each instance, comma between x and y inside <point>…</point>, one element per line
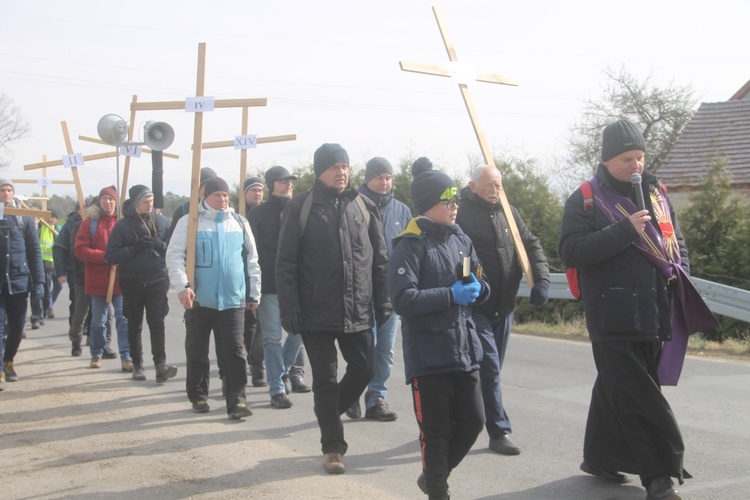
<point>201,407</point>
<point>2,381</point>
<point>380,411</point>
<point>287,384</point>
<point>76,350</point>
<point>127,366</point>
<point>504,445</point>
<point>280,401</point>
<point>51,313</point>
<point>299,384</point>
<point>240,410</point>
<point>165,372</point>
<point>95,362</point>
<point>139,374</point>
<point>10,372</point>
<point>354,411</point>
<point>35,325</point>
<point>333,463</point>
<point>108,353</point>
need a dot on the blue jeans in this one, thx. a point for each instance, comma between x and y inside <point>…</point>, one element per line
<point>98,332</point>
<point>494,340</point>
<point>279,359</point>
<point>385,338</point>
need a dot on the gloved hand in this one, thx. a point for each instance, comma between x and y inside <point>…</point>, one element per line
<point>292,323</point>
<point>382,316</point>
<point>539,293</point>
<point>155,243</point>
<point>142,244</point>
<point>38,290</point>
<point>466,293</point>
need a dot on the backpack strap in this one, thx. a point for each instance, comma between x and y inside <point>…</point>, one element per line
<point>363,209</point>
<point>304,213</point>
<point>588,196</point>
<point>93,223</point>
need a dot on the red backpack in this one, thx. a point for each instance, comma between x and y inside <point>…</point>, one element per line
<point>572,272</point>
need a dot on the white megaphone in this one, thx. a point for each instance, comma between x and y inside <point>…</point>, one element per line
<point>112,129</point>
<point>158,135</point>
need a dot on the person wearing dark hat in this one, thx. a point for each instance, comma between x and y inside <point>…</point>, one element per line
<point>395,215</point>
<point>630,262</point>
<point>434,280</point>
<point>265,221</point>
<point>91,242</point>
<point>23,272</point>
<point>481,217</point>
<point>330,278</point>
<point>182,210</point>
<point>137,247</point>
<point>227,281</point>
<point>253,189</point>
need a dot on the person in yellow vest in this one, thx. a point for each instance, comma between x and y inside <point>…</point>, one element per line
<point>41,307</point>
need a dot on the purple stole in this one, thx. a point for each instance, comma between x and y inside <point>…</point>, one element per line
<point>689,312</point>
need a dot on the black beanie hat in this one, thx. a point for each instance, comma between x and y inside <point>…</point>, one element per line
<point>377,166</point>
<point>206,173</point>
<point>619,137</point>
<point>328,155</point>
<point>421,164</point>
<point>250,182</point>
<point>429,188</point>
<point>138,192</point>
<point>214,184</point>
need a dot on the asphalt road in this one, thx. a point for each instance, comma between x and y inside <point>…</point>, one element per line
<point>69,431</point>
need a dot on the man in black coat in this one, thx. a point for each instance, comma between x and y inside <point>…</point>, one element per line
<point>481,217</point>
<point>330,276</point>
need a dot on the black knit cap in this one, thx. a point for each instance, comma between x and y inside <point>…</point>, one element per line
<point>328,155</point>
<point>376,166</point>
<point>619,137</point>
<point>138,192</point>
<point>214,184</point>
<point>250,182</point>
<point>430,188</point>
<point>206,173</point>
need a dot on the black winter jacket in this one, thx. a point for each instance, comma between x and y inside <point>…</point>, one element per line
<point>20,255</point>
<point>145,265</point>
<point>265,221</point>
<point>66,263</point>
<point>335,273</point>
<point>485,224</point>
<point>438,335</point>
<point>624,296</point>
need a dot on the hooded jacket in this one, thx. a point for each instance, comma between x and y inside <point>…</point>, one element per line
<point>20,254</point>
<point>90,250</point>
<point>394,214</point>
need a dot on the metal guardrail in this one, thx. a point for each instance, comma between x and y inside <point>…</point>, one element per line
<point>721,299</point>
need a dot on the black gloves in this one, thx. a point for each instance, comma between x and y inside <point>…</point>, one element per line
<point>539,293</point>
<point>292,323</point>
<point>382,316</point>
<point>142,244</point>
<point>156,243</point>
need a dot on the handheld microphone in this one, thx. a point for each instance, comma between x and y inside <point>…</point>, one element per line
<point>635,180</point>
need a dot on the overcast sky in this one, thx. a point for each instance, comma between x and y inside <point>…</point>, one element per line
<point>330,72</point>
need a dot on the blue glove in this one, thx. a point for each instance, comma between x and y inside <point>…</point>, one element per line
<point>466,293</point>
<point>539,293</point>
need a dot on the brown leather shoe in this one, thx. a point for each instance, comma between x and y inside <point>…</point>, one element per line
<point>127,366</point>
<point>333,463</point>
<point>95,362</point>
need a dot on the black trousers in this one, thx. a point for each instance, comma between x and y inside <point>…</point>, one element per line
<point>331,397</point>
<point>631,427</point>
<point>228,328</point>
<point>12,320</point>
<point>152,297</point>
<point>450,415</point>
<point>253,342</point>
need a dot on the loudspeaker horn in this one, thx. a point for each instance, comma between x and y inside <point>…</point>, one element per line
<point>158,135</point>
<point>112,129</point>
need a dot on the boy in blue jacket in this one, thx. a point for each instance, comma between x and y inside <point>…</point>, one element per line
<point>432,289</point>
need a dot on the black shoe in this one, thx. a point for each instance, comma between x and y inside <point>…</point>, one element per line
<point>422,483</point>
<point>662,488</point>
<point>139,374</point>
<point>201,407</point>
<point>298,384</point>
<point>504,445</point>
<point>354,411</point>
<point>76,350</point>
<point>281,401</point>
<point>240,410</point>
<point>164,372</point>
<point>607,475</point>
<point>35,325</point>
<point>259,379</point>
<point>109,353</point>
<point>287,384</point>
<point>380,411</point>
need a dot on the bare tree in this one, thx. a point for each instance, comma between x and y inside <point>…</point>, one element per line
<point>660,113</point>
<point>13,126</point>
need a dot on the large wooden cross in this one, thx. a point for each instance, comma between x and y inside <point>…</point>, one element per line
<point>243,154</point>
<point>456,71</point>
<point>196,105</point>
<point>45,181</point>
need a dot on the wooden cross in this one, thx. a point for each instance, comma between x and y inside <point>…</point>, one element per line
<point>468,101</point>
<point>243,154</point>
<point>45,181</point>
<point>198,105</point>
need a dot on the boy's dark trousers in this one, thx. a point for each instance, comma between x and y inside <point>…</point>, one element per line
<point>450,414</point>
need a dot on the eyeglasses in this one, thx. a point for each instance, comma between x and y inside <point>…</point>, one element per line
<point>452,204</point>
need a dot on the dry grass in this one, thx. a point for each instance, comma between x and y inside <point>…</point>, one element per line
<point>576,330</point>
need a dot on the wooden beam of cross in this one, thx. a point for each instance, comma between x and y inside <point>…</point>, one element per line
<point>462,78</point>
<point>243,140</point>
<point>198,107</point>
<point>73,167</point>
<point>45,181</point>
